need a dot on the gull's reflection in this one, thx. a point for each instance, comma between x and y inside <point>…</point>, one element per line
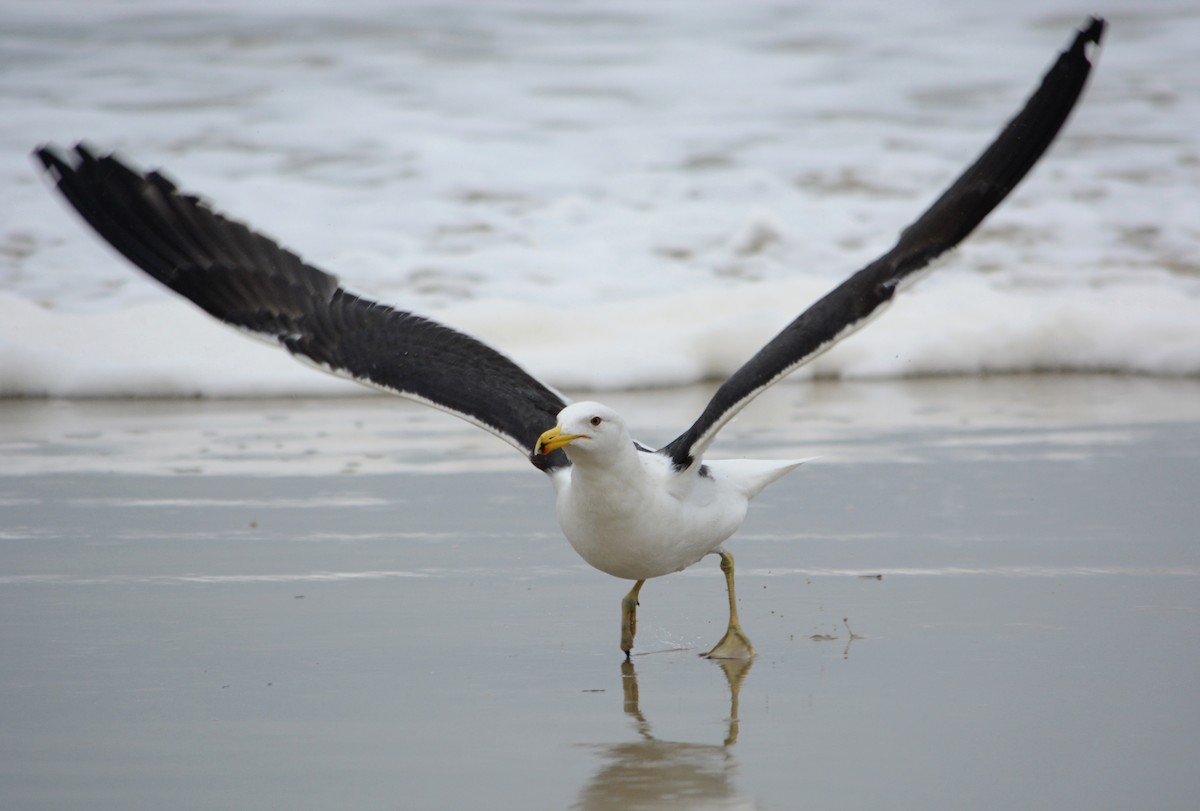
<point>649,773</point>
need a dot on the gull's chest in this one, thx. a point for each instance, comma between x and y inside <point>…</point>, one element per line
<point>647,492</point>
<point>639,526</point>
<point>605,503</point>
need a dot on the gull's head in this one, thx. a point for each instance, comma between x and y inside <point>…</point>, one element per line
<point>586,427</point>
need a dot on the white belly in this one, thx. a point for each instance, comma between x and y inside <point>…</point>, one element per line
<point>639,533</point>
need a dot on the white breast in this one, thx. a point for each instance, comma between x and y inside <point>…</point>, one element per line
<point>646,521</point>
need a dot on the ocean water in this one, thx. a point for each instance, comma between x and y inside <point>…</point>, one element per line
<point>617,194</point>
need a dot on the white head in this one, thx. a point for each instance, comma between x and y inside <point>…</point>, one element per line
<point>586,427</point>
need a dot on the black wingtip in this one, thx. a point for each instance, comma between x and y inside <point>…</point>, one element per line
<point>52,161</point>
<point>59,163</point>
<point>1093,33</point>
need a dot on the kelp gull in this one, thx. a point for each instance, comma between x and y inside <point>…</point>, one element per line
<point>630,511</point>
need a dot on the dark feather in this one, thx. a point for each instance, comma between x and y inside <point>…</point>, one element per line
<point>946,223</point>
<point>247,280</point>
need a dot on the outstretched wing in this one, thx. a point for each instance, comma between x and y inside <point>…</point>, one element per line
<point>946,223</point>
<point>247,280</point>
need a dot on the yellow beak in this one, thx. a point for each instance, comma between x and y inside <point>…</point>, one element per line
<point>554,439</point>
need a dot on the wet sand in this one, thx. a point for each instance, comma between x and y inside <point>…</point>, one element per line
<point>360,604</point>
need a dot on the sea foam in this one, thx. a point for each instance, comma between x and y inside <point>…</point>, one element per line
<point>618,196</point>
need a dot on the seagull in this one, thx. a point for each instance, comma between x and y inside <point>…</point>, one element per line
<point>629,510</point>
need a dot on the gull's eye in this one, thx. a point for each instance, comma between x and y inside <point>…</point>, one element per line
<point>596,422</point>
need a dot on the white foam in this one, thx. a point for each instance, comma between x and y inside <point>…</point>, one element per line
<point>954,325</point>
<point>642,207</point>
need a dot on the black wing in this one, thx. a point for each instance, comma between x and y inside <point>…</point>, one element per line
<point>247,280</point>
<point>947,222</point>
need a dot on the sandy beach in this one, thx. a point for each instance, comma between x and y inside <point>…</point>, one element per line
<point>354,603</point>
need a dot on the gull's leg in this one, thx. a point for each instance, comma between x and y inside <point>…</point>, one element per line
<point>629,606</point>
<point>735,644</point>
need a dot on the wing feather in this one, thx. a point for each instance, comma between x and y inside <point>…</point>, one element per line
<point>953,216</point>
<point>247,280</point>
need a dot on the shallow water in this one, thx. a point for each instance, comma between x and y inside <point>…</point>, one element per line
<point>208,604</point>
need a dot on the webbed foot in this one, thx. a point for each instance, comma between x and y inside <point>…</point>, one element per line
<point>734,645</point>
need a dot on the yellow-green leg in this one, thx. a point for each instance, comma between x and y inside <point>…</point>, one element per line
<point>735,644</point>
<point>629,606</point>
